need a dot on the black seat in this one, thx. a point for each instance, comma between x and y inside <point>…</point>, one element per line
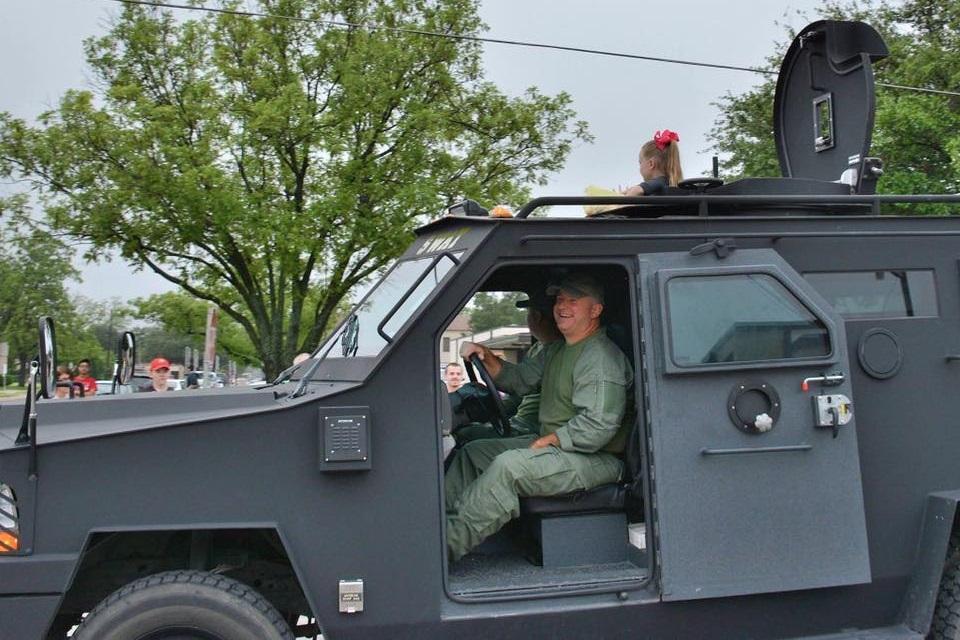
<point>626,495</point>
<point>606,497</point>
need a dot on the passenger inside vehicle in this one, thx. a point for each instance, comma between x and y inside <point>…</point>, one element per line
<point>570,472</point>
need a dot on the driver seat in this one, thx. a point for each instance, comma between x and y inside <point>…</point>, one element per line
<point>588,526</point>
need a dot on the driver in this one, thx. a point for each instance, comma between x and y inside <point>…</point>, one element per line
<point>525,419</point>
<point>583,381</point>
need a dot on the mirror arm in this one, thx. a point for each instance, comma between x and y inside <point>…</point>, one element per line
<point>28,429</point>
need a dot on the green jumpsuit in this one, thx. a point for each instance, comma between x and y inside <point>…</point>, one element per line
<point>583,399</point>
<point>523,411</point>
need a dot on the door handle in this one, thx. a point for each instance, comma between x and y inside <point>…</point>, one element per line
<point>953,357</point>
<point>826,380</point>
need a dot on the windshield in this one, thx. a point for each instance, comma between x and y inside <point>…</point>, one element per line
<point>359,335</point>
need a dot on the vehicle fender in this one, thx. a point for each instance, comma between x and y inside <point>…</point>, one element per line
<point>939,517</point>
<point>79,568</point>
<point>26,617</point>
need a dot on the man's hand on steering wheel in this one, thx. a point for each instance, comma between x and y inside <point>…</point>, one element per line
<point>488,366</point>
<point>490,360</point>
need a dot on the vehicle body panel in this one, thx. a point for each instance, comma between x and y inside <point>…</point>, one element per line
<point>250,458</point>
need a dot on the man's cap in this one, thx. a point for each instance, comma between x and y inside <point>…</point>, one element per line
<point>159,363</point>
<point>536,300</point>
<point>578,285</point>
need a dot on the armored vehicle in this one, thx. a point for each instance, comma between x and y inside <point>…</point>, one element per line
<point>791,468</point>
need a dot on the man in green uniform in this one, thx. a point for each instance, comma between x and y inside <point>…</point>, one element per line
<point>525,410</point>
<point>583,381</point>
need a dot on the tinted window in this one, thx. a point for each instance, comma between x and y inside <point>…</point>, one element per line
<point>740,318</point>
<point>878,294</point>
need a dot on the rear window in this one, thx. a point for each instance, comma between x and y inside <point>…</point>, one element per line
<point>899,293</point>
<point>740,318</point>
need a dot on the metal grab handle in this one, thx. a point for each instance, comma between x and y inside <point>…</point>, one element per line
<point>953,357</point>
<point>729,452</point>
<point>828,380</point>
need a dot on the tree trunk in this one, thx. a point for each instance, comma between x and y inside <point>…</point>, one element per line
<point>23,369</point>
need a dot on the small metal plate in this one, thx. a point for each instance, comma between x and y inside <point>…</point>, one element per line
<point>344,439</point>
<point>828,409</point>
<point>351,596</point>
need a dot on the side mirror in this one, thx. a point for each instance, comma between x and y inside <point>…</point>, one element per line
<point>48,357</point>
<point>126,357</point>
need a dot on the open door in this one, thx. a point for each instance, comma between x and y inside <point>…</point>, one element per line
<point>752,430</point>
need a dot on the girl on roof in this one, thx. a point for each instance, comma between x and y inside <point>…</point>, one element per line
<point>659,165</point>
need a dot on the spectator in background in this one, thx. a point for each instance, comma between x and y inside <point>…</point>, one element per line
<point>301,357</point>
<point>63,375</point>
<point>159,374</point>
<point>193,380</point>
<point>453,376</point>
<point>83,376</point>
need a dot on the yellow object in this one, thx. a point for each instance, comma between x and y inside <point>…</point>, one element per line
<point>594,209</point>
<point>501,211</point>
<point>8,542</point>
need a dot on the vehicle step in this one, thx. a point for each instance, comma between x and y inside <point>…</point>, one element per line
<point>898,632</point>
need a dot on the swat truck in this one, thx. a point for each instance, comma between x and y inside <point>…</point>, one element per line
<point>792,470</point>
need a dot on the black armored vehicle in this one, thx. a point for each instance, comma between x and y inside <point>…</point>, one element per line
<point>792,468</point>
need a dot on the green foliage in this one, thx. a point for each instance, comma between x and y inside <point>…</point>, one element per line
<point>491,310</point>
<point>269,165</point>
<point>917,135</point>
<point>34,266</point>
<point>107,320</point>
<point>182,319</point>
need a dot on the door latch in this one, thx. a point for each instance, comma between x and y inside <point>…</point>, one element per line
<point>832,411</point>
<point>827,380</point>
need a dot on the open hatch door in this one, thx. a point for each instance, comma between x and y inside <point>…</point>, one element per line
<point>755,471</point>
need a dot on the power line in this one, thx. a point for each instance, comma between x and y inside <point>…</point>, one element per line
<point>516,43</point>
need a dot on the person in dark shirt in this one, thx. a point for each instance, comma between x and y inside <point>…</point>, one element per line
<point>659,165</point>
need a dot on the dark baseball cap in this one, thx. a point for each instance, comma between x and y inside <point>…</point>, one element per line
<point>537,299</point>
<point>578,285</point>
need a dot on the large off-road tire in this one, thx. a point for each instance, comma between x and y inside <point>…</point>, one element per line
<point>184,605</point>
<point>946,616</point>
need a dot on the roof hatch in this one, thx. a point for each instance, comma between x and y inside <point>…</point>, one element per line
<point>824,104</point>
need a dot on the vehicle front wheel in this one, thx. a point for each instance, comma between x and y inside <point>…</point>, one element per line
<point>184,605</point>
<point>946,616</point>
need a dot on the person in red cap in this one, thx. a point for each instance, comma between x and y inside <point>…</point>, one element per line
<point>159,374</point>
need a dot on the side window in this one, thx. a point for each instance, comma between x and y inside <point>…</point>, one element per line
<point>740,318</point>
<point>901,293</point>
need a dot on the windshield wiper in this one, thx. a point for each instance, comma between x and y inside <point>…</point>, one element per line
<point>350,339</point>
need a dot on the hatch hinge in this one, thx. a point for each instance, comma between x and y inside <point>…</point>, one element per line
<point>722,246</point>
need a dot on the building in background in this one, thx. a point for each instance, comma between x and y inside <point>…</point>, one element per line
<point>449,345</point>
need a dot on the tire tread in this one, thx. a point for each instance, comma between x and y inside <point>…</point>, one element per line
<point>946,615</point>
<point>199,578</point>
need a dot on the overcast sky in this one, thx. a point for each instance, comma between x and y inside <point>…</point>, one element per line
<point>624,101</point>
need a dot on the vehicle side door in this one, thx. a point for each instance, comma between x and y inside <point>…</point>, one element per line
<point>755,468</point>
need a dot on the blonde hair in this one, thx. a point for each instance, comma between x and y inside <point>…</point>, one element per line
<point>666,159</point>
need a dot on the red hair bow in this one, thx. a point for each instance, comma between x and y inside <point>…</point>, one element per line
<point>665,137</point>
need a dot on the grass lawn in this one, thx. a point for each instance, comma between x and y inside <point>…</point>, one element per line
<point>12,391</point>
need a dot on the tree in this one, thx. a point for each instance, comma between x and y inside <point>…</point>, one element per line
<point>185,317</point>
<point>268,165</point>
<point>492,310</point>
<point>107,320</point>
<point>916,134</point>
<point>34,267</point>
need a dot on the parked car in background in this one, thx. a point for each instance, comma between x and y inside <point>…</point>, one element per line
<point>213,379</point>
<point>105,388</point>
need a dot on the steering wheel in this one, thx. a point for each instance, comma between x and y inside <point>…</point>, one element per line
<point>700,185</point>
<point>500,422</point>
